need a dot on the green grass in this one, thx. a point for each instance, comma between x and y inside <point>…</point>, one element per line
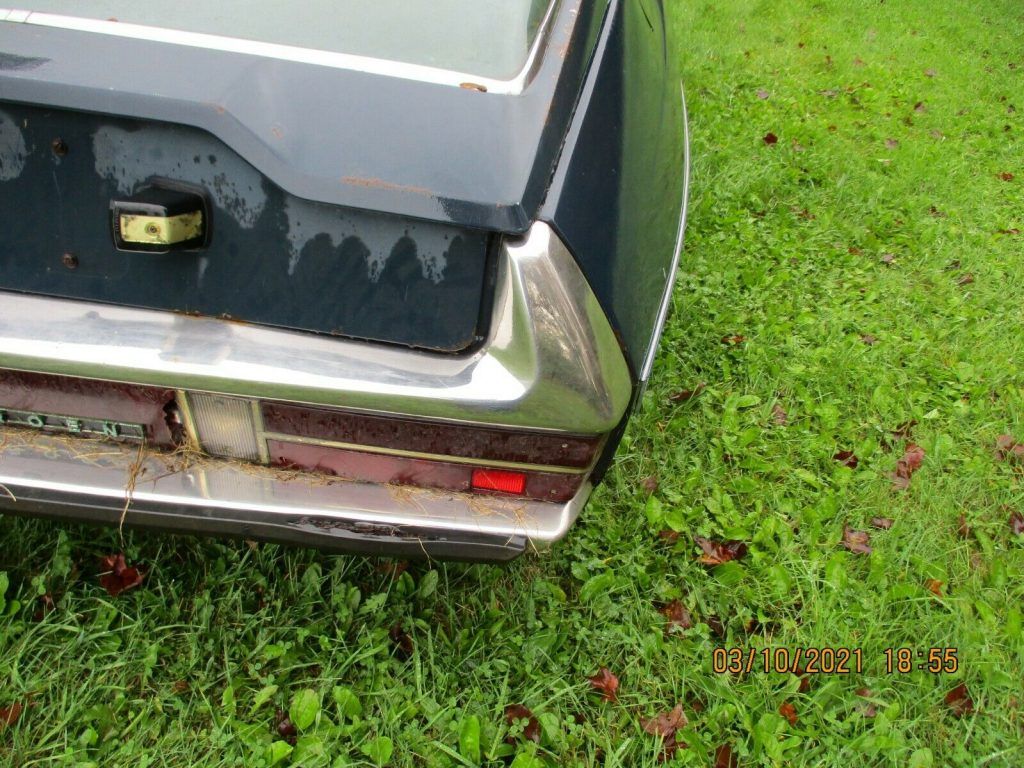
<point>785,248</point>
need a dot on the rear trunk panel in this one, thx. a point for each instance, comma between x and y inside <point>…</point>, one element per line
<point>274,259</point>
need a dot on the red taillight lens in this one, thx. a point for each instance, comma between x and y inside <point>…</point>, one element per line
<point>499,480</point>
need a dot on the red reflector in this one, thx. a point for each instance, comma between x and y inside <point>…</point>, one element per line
<point>499,480</point>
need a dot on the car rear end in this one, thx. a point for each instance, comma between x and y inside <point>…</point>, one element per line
<point>249,290</point>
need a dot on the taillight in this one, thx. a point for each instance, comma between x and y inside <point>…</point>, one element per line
<point>499,480</point>
<point>352,445</point>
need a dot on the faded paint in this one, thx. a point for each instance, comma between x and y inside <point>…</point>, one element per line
<point>380,235</point>
<point>12,149</point>
<point>131,157</point>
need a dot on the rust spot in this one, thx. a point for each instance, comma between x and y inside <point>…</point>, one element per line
<point>357,181</point>
<point>59,147</point>
<point>474,87</point>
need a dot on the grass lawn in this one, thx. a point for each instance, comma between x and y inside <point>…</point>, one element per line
<point>848,292</point>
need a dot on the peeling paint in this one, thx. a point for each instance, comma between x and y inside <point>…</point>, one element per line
<point>12,149</point>
<point>131,157</point>
<point>380,235</point>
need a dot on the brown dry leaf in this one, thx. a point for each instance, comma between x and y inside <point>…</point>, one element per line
<point>885,523</point>
<point>605,683</point>
<point>965,279</point>
<point>788,711</point>
<point>716,625</point>
<point>959,701</point>
<point>1007,448</point>
<point>718,552</point>
<point>856,541</point>
<point>285,727</point>
<point>919,107</point>
<point>670,536</point>
<point>934,586</point>
<point>1011,231</point>
<point>687,394</point>
<point>9,715</point>
<point>667,723</point>
<point>846,458</point>
<point>963,530</point>
<point>891,144</point>
<point>402,641</point>
<point>677,615</point>
<point>1016,523</point>
<point>531,731</point>
<point>762,94</point>
<point>650,484</point>
<point>724,758</point>
<point>907,466</point>
<point>734,339</point>
<point>1006,176</point>
<point>868,339</point>
<point>779,416</point>
<point>929,72</point>
<point>888,258</point>
<point>770,139</point>
<point>117,575</point>
<point>868,709</point>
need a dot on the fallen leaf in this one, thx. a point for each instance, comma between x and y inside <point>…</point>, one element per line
<point>904,430</point>
<point>605,683</point>
<point>959,701</point>
<point>1008,449</point>
<point>868,339</point>
<point>733,340</point>
<point>907,466</point>
<point>718,552</point>
<point>788,711</point>
<point>885,523</point>
<point>762,94</point>
<point>963,530</point>
<point>669,536</point>
<point>805,679</point>
<point>716,625</point>
<point>846,458</point>
<point>1016,523</point>
<point>46,606</point>
<point>936,212</point>
<point>724,758</point>
<point>650,484</point>
<point>853,250</point>
<point>677,615</point>
<point>393,568</point>
<point>285,727</point>
<point>891,143</point>
<point>9,715</point>
<point>888,258</point>
<point>779,416</point>
<point>919,107</point>
<point>868,709</point>
<point>687,394</point>
<point>667,723</point>
<point>934,586</point>
<point>929,72</point>
<point>770,139</point>
<point>403,642</point>
<point>531,730</point>
<point>856,541</point>
<point>965,279</point>
<point>858,62</point>
<point>1006,176</point>
<point>1013,231</point>
<point>118,576</point>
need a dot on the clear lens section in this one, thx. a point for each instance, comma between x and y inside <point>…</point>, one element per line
<point>225,426</point>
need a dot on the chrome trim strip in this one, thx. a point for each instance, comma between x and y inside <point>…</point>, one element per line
<point>551,361</point>
<point>337,60</point>
<point>62,470</point>
<point>399,453</point>
<point>652,351</point>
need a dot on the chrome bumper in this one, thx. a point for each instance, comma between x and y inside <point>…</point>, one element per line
<point>551,361</point>
<point>91,480</point>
